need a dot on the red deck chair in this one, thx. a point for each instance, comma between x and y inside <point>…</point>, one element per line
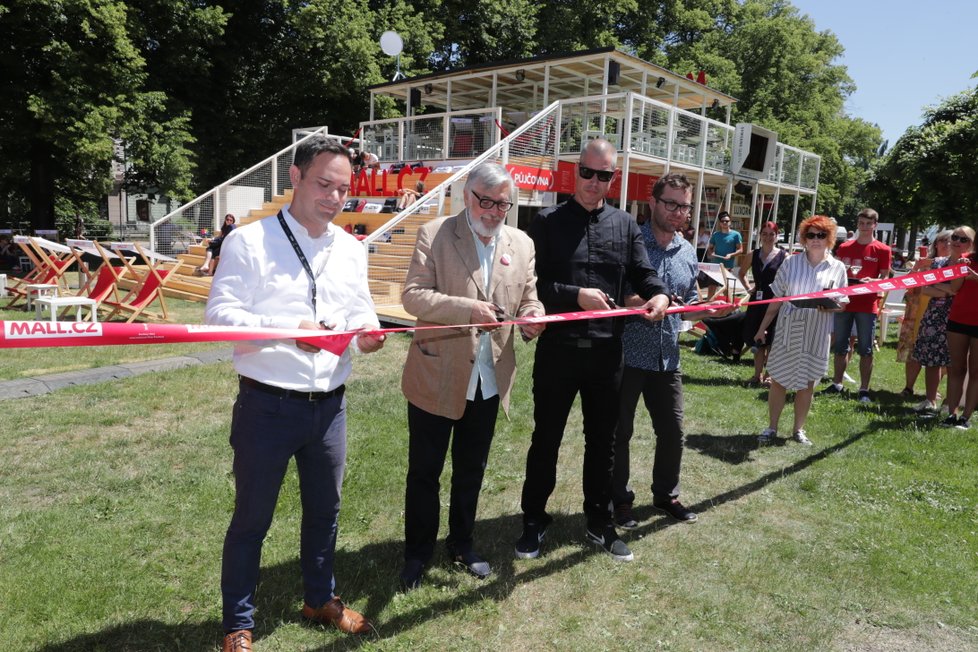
<point>104,283</point>
<point>149,287</point>
<point>51,261</point>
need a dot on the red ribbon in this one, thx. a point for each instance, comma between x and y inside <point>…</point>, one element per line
<point>32,334</point>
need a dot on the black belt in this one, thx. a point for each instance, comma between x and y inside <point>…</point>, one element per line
<point>291,393</point>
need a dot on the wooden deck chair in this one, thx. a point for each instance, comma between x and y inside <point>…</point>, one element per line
<point>51,261</point>
<point>149,286</point>
<point>102,284</point>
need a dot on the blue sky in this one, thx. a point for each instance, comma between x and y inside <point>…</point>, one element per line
<point>902,55</point>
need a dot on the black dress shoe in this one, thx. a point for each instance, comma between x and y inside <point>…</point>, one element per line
<point>411,574</point>
<point>471,563</point>
<point>675,509</point>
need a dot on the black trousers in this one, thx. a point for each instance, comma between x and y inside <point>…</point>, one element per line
<point>561,370</point>
<point>663,395</point>
<point>428,446</point>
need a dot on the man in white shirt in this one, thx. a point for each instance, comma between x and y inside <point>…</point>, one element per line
<point>296,270</point>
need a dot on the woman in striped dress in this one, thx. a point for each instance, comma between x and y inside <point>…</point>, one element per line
<point>800,349</point>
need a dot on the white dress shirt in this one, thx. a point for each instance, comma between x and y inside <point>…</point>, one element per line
<point>484,369</point>
<point>260,282</point>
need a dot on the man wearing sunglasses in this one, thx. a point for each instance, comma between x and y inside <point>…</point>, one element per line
<point>866,259</point>
<point>725,245</point>
<point>466,269</point>
<point>588,253</point>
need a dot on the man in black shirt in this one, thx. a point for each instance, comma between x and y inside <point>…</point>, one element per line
<point>588,253</point>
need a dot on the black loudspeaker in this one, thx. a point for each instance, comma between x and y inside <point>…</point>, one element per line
<point>743,188</point>
<point>415,98</point>
<point>614,69</point>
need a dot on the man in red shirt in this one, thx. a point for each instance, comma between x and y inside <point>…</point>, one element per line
<point>866,259</point>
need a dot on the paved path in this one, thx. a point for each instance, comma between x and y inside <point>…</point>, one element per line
<point>23,387</point>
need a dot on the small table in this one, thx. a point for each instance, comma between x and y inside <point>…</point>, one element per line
<point>41,290</point>
<point>56,303</point>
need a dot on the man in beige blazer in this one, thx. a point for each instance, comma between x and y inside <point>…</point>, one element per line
<point>466,269</point>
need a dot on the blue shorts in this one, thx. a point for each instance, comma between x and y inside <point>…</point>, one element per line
<point>865,332</point>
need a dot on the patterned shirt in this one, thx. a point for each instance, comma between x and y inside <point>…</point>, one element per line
<point>654,346</point>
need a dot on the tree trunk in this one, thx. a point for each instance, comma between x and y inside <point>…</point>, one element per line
<point>41,193</point>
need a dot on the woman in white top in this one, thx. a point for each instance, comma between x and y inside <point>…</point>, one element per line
<point>800,350</point>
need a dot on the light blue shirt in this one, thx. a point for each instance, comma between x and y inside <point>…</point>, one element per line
<point>484,369</point>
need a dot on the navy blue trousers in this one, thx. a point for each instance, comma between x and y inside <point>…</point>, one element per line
<point>266,432</point>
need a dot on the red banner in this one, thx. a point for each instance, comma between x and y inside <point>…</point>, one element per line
<point>639,185</point>
<point>530,178</point>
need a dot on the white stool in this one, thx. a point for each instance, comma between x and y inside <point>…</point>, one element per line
<point>56,303</point>
<point>41,290</point>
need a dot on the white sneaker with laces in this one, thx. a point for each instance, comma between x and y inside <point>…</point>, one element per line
<point>847,378</point>
<point>767,436</point>
<point>800,437</point>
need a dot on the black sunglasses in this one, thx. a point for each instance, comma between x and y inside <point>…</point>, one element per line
<point>821,235</point>
<point>604,176</point>
<point>486,203</point>
<point>960,238</point>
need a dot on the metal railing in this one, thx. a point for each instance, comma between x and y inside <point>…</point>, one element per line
<point>662,131</point>
<point>437,137</point>
<point>389,247</point>
<point>176,231</point>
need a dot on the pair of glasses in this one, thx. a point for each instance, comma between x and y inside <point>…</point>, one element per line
<point>672,206</point>
<point>604,176</point>
<point>963,239</point>
<point>821,235</point>
<point>486,203</point>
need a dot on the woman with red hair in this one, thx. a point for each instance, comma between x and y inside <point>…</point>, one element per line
<point>765,261</point>
<point>800,347</point>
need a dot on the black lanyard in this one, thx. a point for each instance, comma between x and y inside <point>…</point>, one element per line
<point>302,259</point>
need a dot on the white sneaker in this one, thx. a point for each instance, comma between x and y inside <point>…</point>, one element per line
<point>847,378</point>
<point>767,436</point>
<point>925,406</point>
<point>800,437</point>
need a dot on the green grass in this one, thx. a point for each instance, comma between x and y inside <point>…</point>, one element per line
<point>114,499</point>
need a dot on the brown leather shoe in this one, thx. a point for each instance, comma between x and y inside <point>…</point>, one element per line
<point>336,613</point>
<point>239,641</point>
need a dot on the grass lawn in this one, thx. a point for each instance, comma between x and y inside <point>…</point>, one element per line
<point>114,499</point>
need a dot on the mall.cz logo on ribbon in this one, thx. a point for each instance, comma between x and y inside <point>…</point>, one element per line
<point>25,330</point>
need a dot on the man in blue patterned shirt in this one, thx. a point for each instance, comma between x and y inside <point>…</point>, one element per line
<point>651,352</point>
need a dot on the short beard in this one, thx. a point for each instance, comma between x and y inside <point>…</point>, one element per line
<point>480,228</point>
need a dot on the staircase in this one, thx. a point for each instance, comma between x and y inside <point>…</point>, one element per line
<point>388,259</point>
<point>390,238</point>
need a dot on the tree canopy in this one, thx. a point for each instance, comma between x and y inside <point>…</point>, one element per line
<point>928,177</point>
<point>200,89</point>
